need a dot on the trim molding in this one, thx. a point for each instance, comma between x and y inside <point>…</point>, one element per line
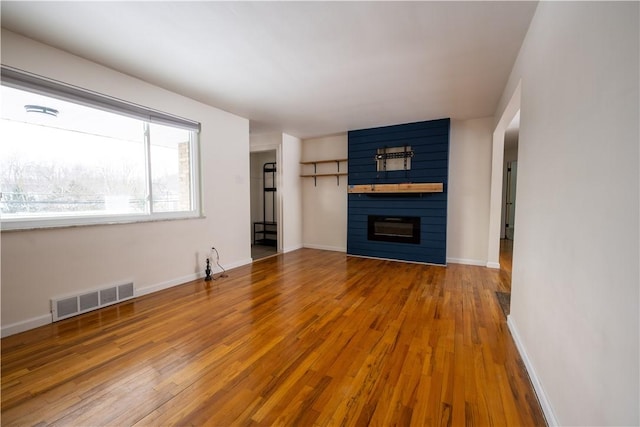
<point>168,284</point>
<point>47,319</point>
<point>465,261</point>
<point>535,381</point>
<point>25,325</point>
<point>188,278</point>
<point>325,248</point>
<point>397,260</point>
<point>292,248</point>
<point>237,264</point>
<point>492,264</point>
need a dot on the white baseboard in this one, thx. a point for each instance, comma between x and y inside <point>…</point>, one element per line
<point>237,264</point>
<point>46,319</point>
<point>168,284</point>
<point>188,278</point>
<point>467,261</point>
<point>325,248</point>
<point>25,325</point>
<point>552,421</point>
<point>291,248</point>
<point>492,264</point>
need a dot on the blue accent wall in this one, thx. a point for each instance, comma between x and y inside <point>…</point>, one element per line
<point>430,143</point>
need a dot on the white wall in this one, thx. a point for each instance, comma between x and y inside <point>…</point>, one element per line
<point>324,206</point>
<point>291,193</point>
<point>40,264</point>
<point>576,278</point>
<point>469,186</point>
<point>265,142</point>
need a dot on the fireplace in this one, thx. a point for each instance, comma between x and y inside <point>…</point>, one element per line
<point>398,229</point>
<point>385,220</point>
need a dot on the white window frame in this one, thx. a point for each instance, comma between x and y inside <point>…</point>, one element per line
<point>18,79</point>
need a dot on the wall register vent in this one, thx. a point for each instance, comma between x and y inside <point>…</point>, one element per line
<point>62,308</point>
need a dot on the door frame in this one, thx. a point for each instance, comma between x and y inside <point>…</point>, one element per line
<point>497,165</point>
<point>278,150</point>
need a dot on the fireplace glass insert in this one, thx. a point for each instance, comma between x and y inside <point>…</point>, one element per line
<point>399,229</point>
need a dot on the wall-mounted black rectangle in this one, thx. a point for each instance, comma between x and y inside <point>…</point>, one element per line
<point>398,229</point>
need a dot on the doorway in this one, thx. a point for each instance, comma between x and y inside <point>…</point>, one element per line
<point>502,208</point>
<point>497,199</point>
<point>510,177</point>
<point>509,187</point>
<point>510,202</point>
<point>264,205</point>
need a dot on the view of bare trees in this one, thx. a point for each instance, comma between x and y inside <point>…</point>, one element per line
<point>39,186</point>
<point>87,161</point>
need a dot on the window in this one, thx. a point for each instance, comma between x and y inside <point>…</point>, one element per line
<point>71,157</point>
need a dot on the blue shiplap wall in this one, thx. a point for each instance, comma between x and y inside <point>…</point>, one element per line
<point>430,142</point>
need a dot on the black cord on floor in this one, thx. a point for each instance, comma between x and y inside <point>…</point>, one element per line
<point>224,272</point>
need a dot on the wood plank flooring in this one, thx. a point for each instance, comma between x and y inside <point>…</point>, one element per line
<point>308,338</point>
<point>506,257</point>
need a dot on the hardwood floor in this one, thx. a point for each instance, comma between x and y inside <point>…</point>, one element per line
<point>262,251</point>
<point>308,338</point>
<point>506,256</point>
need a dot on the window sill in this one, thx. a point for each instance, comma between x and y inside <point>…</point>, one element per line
<point>66,223</point>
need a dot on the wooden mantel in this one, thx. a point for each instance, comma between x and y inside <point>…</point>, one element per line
<point>430,187</point>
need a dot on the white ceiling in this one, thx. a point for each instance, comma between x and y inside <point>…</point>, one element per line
<point>304,68</point>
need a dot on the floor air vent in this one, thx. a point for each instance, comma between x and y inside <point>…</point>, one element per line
<point>84,302</point>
